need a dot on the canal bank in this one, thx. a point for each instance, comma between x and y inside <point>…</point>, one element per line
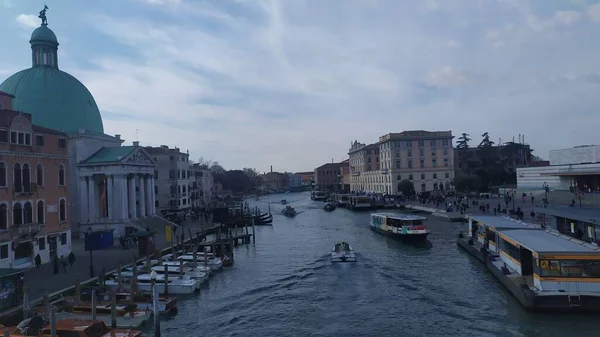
<point>285,285</point>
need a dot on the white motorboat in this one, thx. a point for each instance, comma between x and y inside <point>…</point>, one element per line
<point>176,285</point>
<point>342,252</point>
<point>175,271</point>
<point>199,266</point>
<point>214,263</point>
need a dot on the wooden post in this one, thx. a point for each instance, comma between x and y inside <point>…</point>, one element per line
<point>53,322</point>
<point>181,268</point>
<point>47,306</point>
<point>25,302</point>
<point>148,264</point>
<point>205,257</point>
<point>119,277</point>
<point>102,276</point>
<point>94,304</point>
<point>191,236</point>
<point>134,280</point>
<point>156,309</point>
<point>77,292</point>
<point>113,309</point>
<point>253,232</point>
<point>166,281</point>
<point>195,254</point>
<point>159,257</point>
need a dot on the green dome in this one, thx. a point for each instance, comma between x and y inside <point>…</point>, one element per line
<point>54,98</point>
<point>43,33</point>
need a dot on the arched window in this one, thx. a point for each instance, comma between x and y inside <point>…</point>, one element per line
<point>62,210</point>
<point>28,214</point>
<point>3,174</point>
<point>3,217</point>
<point>40,212</point>
<point>40,175</point>
<point>17,214</point>
<point>26,178</point>
<point>17,178</point>
<point>61,175</point>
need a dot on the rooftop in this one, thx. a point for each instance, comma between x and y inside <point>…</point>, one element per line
<point>502,222</point>
<point>549,242</point>
<point>405,217</point>
<point>109,155</point>
<point>589,215</point>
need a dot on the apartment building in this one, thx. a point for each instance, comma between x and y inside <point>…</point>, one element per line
<point>34,193</point>
<point>201,185</point>
<point>424,157</point>
<point>172,179</point>
<point>307,178</point>
<point>328,177</point>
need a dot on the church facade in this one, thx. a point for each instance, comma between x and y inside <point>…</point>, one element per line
<point>107,185</point>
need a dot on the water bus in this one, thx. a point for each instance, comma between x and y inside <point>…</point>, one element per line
<point>318,195</point>
<point>408,228</point>
<point>544,269</point>
<point>360,202</point>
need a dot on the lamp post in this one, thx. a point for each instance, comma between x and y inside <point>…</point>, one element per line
<point>89,240</point>
<point>155,306</point>
<point>546,188</point>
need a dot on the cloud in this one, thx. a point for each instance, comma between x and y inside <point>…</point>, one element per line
<point>593,12</point>
<point>27,20</point>
<point>8,4</point>
<point>289,83</point>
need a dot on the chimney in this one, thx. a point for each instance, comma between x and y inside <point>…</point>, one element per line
<point>271,168</point>
<point>118,136</point>
<point>136,143</point>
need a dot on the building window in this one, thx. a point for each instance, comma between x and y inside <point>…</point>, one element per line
<point>422,176</point>
<point>26,178</point>
<point>13,137</point>
<point>41,243</point>
<point>3,252</point>
<point>40,212</point>
<point>445,142</point>
<point>422,163</point>
<point>61,175</point>
<point>435,176</point>
<point>3,217</point>
<point>421,143</point>
<point>2,174</point>
<point>421,153</point>
<point>17,214</point>
<point>434,163</point>
<point>446,162</point>
<point>63,239</point>
<point>3,136</point>
<point>39,140</point>
<point>433,152</point>
<point>423,188</point>
<point>410,177</point>
<point>40,175</point>
<point>409,143</point>
<point>27,139</point>
<point>17,178</point>
<point>399,178</point>
<point>62,143</point>
<point>432,142</point>
<point>62,210</point>
<point>447,175</point>
<point>445,152</point>
<point>28,214</point>
<point>397,164</point>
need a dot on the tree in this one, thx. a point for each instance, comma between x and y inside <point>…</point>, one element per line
<point>236,180</point>
<point>216,168</point>
<point>463,141</point>
<point>463,145</point>
<point>253,176</point>
<point>488,158</point>
<point>469,183</point>
<point>406,187</point>
<point>204,163</point>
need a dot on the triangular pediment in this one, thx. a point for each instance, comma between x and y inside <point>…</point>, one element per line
<point>138,157</point>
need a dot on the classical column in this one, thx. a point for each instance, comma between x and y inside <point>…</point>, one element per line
<point>132,199</point>
<point>142,196</point>
<point>92,205</point>
<point>110,208</point>
<point>152,196</point>
<point>115,205</point>
<point>83,200</point>
<point>124,201</point>
<point>149,194</point>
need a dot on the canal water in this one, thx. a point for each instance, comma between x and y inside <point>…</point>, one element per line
<point>285,285</point>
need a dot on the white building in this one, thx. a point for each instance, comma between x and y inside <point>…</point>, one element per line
<point>172,175</point>
<point>577,167</point>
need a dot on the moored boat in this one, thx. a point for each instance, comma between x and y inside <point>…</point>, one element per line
<point>342,252</point>
<point>408,228</point>
<point>329,206</point>
<point>284,202</point>
<point>143,301</point>
<point>318,195</point>
<point>176,285</point>
<point>36,326</point>
<point>289,211</point>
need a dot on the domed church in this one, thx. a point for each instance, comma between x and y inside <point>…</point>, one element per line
<point>110,185</point>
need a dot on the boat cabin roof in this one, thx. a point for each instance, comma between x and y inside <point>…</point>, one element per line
<point>501,222</point>
<point>402,217</point>
<point>548,242</point>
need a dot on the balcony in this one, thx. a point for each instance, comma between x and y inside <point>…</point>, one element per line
<point>25,230</point>
<point>25,189</point>
<point>356,173</point>
<point>384,171</point>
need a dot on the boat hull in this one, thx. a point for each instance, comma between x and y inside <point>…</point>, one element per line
<point>336,257</point>
<point>408,238</point>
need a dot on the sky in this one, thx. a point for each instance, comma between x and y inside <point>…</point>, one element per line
<point>291,83</point>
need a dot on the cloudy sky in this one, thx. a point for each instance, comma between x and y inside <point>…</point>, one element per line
<point>291,83</point>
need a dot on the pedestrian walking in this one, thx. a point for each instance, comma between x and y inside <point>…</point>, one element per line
<point>71,258</point>
<point>38,261</point>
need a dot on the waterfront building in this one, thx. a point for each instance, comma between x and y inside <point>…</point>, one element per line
<point>328,177</point>
<point>34,189</point>
<point>172,176</point>
<point>364,165</point>
<point>106,182</point>
<point>426,158</point>
<point>274,181</point>
<point>307,178</point>
<point>294,181</point>
<point>201,180</point>
<point>571,169</point>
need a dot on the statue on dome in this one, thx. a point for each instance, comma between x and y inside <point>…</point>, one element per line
<point>43,16</point>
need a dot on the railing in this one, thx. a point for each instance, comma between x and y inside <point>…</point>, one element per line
<point>25,229</point>
<point>25,189</point>
<point>356,173</point>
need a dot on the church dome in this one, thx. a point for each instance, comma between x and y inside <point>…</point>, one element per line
<point>54,98</point>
